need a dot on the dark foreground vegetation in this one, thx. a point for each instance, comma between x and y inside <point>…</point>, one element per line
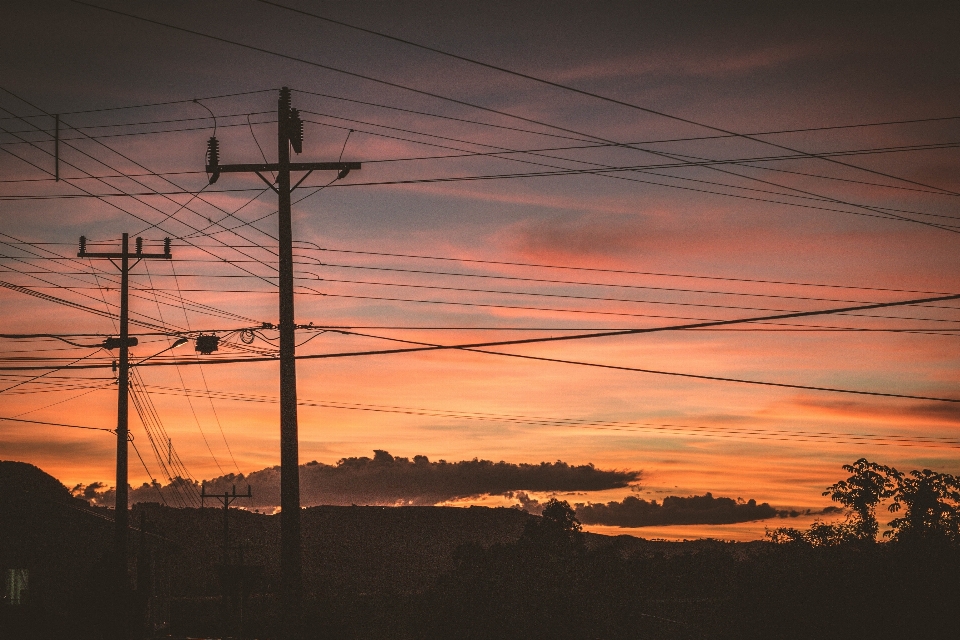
<point>425,572</point>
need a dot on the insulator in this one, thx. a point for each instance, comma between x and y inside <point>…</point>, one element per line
<point>166,246</point>
<point>342,173</point>
<point>284,102</point>
<point>295,130</point>
<point>213,159</point>
<point>139,245</point>
<point>83,246</point>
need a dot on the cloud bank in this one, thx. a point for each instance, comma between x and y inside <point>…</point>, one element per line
<point>389,481</point>
<point>705,509</point>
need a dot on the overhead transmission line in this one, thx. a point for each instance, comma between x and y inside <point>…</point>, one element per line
<point>609,171</point>
<point>601,170</point>
<point>668,373</point>
<point>582,92</point>
<point>582,283</point>
<point>548,281</point>
<point>149,322</point>
<point>504,154</point>
<point>546,309</point>
<point>467,121</point>
<point>152,104</point>
<point>882,213</point>
<point>180,208</point>
<point>502,113</point>
<point>183,384</point>
<point>311,246</point>
<point>890,439</point>
<point>151,225</point>
<point>56,424</point>
<point>106,201</point>
<point>541,294</point>
<point>483,347</point>
<point>193,411</point>
<point>128,134</point>
<point>614,271</point>
<point>614,144</point>
<point>159,440</point>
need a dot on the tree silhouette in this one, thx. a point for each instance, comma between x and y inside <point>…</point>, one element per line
<point>862,492</point>
<point>557,528</point>
<point>932,502</point>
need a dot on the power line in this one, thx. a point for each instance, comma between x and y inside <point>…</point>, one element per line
<point>141,201</point>
<point>180,376</point>
<point>488,109</point>
<point>153,482</point>
<point>580,283</point>
<point>586,93</point>
<point>481,347</point>
<point>316,262</point>
<point>57,424</point>
<point>167,216</point>
<point>311,292</point>
<point>678,374</point>
<point>127,134</point>
<point>138,123</point>
<point>655,141</point>
<point>616,271</point>
<point>603,170</point>
<point>153,104</point>
<point>893,439</point>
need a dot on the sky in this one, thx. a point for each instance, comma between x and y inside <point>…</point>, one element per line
<point>653,213</point>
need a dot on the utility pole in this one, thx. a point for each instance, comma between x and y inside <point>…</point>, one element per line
<point>230,581</point>
<point>124,342</point>
<point>226,499</point>
<point>289,133</point>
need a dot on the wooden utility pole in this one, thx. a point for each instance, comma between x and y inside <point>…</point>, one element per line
<point>289,134</point>
<point>124,342</point>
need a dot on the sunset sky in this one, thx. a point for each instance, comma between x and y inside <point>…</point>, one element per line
<point>444,237</point>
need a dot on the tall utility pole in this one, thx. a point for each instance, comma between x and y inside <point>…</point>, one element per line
<point>289,133</point>
<point>124,342</point>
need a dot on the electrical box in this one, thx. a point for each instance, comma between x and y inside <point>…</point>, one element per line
<point>114,343</point>
<point>207,344</point>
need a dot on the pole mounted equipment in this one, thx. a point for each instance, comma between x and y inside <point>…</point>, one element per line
<point>295,131</point>
<point>114,343</point>
<point>207,344</point>
<point>213,159</point>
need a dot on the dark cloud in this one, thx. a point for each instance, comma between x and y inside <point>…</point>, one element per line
<point>936,411</point>
<point>705,509</point>
<point>388,480</point>
<point>526,503</point>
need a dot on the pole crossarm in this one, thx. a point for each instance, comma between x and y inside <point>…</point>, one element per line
<point>117,256</point>
<point>293,166</point>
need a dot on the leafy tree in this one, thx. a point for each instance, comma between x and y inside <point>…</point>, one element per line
<point>932,506</point>
<point>861,492</point>
<point>557,528</point>
<point>820,534</point>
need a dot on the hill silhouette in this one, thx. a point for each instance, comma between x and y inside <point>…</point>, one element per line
<point>439,572</point>
<point>18,478</point>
